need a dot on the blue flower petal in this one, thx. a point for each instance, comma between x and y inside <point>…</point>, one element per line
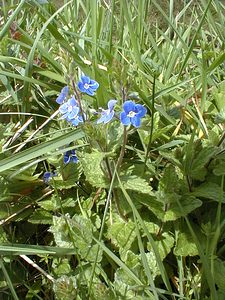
<point>73,113</point>
<point>47,177</point>
<point>102,118</point>
<point>107,116</point>
<point>64,116</point>
<point>128,106</point>
<point>135,121</point>
<point>94,84</point>
<point>75,122</point>
<point>63,108</point>
<point>60,99</point>
<point>141,111</point>
<point>81,87</point>
<point>111,104</point>
<point>85,79</point>
<point>74,159</point>
<point>89,91</point>
<point>125,120</point>
<point>63,94</point>
<point>72,101</point>
<point>66,158</point>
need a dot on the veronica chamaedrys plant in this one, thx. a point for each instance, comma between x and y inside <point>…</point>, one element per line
<point>107,114</point>
<point>132,113</point>
<point>87,85</point>
<point>63,94</point>
<point>70,156</point>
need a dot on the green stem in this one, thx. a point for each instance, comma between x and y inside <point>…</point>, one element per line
<point>77,95</point>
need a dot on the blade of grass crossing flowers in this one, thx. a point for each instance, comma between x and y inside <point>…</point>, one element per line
<point>24,249</point>
<point>41,149</point>
<point>8,280</point>
<point>36,131</point>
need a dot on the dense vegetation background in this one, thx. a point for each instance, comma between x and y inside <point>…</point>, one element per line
<point>112,210</point>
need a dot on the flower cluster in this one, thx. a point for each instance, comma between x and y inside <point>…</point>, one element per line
<point>71,111</point>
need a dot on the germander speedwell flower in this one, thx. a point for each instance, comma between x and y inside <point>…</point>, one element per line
<point>48,175</point>
<point>132,113</point>
<point>87,85</point>
<point>70,156</point>
<point>69,109</point>
<point>107,114</point>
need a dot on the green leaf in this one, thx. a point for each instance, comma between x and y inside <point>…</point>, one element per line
<point>197,167</point>
<point>92,164</point>
<point>219,169</point>
<point>209,190</point>
<point>169,183</point>
<point>41,216</point>
<point>53,204</point>
<point>65,288</point>
<point>219,273</point>
<point>185,245</point>
<point>165,205</point>
<point>164,244</point>
<point>76,232</point>
<point>70,176</point>
<point>122,235</point>
<point>136,183</point>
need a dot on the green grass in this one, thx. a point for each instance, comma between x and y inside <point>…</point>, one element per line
<point>141,215</point>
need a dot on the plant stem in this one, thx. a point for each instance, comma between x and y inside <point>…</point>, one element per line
<point>77,95</point>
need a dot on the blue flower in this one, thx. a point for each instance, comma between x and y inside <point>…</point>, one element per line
<point>87,85</point>
<point>132,113</point>
<point>107,114</point>
<point>69,109</point>
<point>63,94</point>
<point>48,175</point>
<point>70,156</point>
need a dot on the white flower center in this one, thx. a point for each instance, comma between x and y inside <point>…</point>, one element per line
<point>131,114</point>
<point>70,108</point>
<point>86,86</point>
